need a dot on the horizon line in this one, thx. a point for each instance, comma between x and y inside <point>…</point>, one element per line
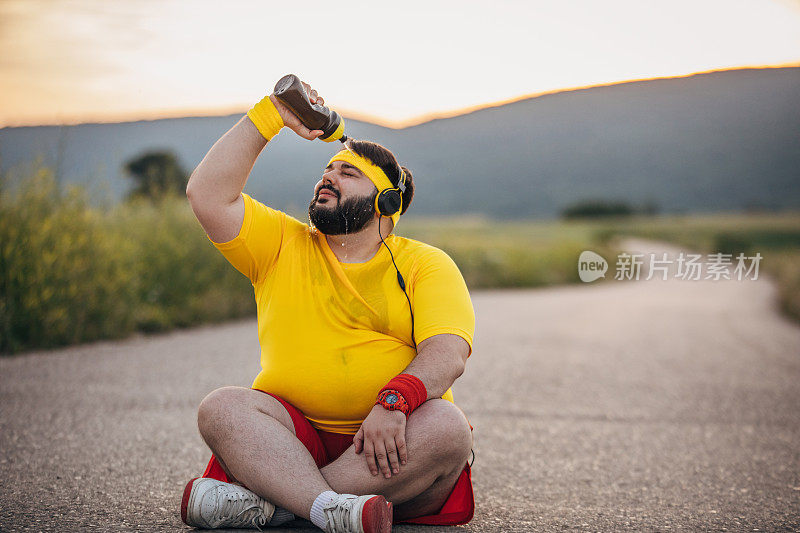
<point>437,115</point>
<point>417,120</point>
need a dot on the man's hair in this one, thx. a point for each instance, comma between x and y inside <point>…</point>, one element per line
<point>383,158</point>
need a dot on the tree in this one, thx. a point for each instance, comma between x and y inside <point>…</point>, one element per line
<point>156,174</point>
<point>597,209</point>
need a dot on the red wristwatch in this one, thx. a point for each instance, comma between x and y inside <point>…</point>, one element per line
<point>393,401</point>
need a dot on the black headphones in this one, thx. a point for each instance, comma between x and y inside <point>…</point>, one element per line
<point>389,201</point>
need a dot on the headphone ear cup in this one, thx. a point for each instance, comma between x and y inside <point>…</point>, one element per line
<point>388,202</point>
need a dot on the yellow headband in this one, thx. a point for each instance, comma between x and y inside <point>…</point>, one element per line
<point>373,172</point>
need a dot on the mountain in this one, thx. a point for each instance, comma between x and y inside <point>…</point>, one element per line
<point>717,141</point>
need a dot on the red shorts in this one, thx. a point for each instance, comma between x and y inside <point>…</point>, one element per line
<point>326,447</point>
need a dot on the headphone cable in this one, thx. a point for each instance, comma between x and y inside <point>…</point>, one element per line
<point>400,280</point>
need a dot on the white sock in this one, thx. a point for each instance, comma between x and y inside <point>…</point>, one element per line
<point>317,516</point>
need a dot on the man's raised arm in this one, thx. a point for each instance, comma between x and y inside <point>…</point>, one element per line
<point>215,186</point>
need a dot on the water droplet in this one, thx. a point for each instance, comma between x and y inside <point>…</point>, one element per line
<point>344,240</point>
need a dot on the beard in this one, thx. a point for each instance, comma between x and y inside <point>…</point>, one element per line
<point>349,216</point>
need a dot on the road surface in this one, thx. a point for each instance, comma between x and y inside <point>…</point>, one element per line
<point>639,405</point>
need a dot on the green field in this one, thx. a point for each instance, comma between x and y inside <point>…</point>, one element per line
<point>531,253</point>
<point>71,272</point>
<point>494,254</point>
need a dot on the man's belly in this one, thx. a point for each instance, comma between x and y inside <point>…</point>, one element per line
<point>334,390</point>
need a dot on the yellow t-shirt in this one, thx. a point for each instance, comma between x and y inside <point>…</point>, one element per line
<point>333,334</point>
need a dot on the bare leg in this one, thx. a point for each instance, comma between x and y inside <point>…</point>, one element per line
<point>438,439</point>
<point>253,434</point>
<point>250,432</point>
<point>276,409</point>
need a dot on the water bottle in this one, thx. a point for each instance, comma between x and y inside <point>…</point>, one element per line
<point>291,93</point>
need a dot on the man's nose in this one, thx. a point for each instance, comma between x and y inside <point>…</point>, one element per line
<point>329,177</point>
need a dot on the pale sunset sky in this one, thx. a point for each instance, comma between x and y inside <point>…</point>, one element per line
<point>69,61</point>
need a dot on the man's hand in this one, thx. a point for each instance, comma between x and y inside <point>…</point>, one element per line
<point>382,438</point>
<point>291,121</point>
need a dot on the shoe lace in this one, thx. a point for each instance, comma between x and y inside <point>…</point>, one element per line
<point>241,508</point>
<point>338,514</point>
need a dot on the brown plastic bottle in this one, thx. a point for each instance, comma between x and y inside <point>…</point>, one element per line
<point>291,93</point>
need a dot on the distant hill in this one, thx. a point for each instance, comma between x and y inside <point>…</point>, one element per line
<point>711,142</point>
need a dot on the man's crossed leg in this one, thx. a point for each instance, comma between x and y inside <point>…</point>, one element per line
<point>253,437</point>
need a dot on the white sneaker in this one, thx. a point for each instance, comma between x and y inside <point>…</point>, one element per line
<point>358,514</point>
<point>210,504</point>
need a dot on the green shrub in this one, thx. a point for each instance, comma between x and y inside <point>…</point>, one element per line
<point>597,209</point>
<point>784,266</point>
<point>180,278</point>
<point>62,278</point>
<point>72,273</point>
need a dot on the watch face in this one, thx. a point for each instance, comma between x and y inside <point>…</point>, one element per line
<point>391,399</point>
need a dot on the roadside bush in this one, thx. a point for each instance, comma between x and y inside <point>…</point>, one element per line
<point>62,279</point>
<point>597,209</point>
<point>73,273</point>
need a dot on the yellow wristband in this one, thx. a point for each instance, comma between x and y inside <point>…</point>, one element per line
<point>266,118</point>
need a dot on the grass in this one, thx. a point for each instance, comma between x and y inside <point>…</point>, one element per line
<point>494,254</point>
<point>534,253</point>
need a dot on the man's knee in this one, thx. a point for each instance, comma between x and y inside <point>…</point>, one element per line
<point>216,407</point>
<point>218,411</point>
<point>449,436</point>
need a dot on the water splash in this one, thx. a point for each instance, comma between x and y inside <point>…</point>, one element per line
<point>344,240</point>
<point>348,148</point>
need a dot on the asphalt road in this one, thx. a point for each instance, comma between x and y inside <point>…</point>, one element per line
<point>613,406</point>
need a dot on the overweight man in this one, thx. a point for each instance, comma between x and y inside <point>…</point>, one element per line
<point>351,422</point>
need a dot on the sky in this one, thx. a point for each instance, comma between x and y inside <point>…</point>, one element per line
<point>70,61</point>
